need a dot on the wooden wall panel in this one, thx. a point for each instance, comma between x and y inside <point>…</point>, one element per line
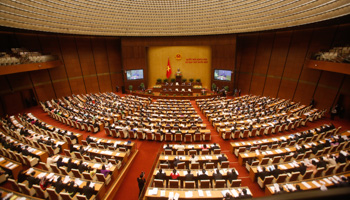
<point>12,103</point>
<point>62,88</point>
<point>343,98</point>
<point>105,83</point>
<point>78,86</point>
<point>287,88</point>
<point>5,87</point>
<point>271,86</point>
<point>100,55</point>
<point>280,50</point>
<point>29,41</point>
<point>263,54</point>
<point>91,84</point>
<point>257,85</point>
<point>45,91</point>
<point>305,94</point>
<point>85,54</point>
<point>70,57</point>
<point>19,81</point>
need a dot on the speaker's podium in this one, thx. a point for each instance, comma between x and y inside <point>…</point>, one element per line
<point>178,78</point>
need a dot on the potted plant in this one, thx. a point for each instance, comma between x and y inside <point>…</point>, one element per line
<point>165,80</point>
<point>226,88</point>
<point>142,86</point>
<point>184,80</point>
<point>166,94</point>
<point>174,95</point>
<point>172,80</point>
<point>159,81</point>
<point>198,80</point>
<point>130,88</point>
<point>213,87</point>
<point>191,80</point>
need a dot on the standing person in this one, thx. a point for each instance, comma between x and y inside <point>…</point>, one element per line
<point>141,182</point>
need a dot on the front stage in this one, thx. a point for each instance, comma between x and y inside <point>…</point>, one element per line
<point>156,95</point>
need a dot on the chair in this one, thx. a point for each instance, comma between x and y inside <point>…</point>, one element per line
<point>14,185</point>
<point>123,134</point>
<point>209,165</point>
<point>293,177</point>
<point>236,183</point>
<point>53,194</point>
<point>26,190</point>
<point>55,169</point>
<point>168,152</point>
<point>194,166</point>
<point>219,184</point>
<point>329,171</point>
<point>164,166</point>
<point>280,179</point>
<point>67,153</point>
<point>188,138</point>
<point>192,152</point>
<point>307,175</point>
<point>174,184</point>
<point>236,134</point>
<point>158,137</point>
<point>240,150</point>
<point>245,134</point>
<point>197,137</point>
<point>254,132</point>
<point>217,151</point>
<point>43,166</point>
<point>319,172</point>
<point>190,184</point>
<point>78,155</point>
<point>83,197</point>
<point>64,171</point>
<point>102,178</point>
<point>340,168</point>
<point>40,193</point>
<point>150,136</point>
<point>204,184</point>
<point>114,133</point>
<point>66,196</point>
<point>206,137</point>
<point>276,160</point>
<point>180,152</point>
<point>224,164</point>
<point>88,176</point>
<point>266,181</point>
<point>181,165</point>
<point>254,163</point>
<point>168,137</point>
<point>159,183</point>
<point>76,173</point>
<point>264,161</point>
<point>178,137</point>
<point>132,134</point>
<point>226,135</point>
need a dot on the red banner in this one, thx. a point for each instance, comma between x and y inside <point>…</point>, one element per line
<point>168,70</point>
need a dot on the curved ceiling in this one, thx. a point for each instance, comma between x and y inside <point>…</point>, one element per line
<point>165,17</point>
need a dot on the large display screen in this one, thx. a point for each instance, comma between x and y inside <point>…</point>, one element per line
<point>222,75</point>
<point>135,74</point>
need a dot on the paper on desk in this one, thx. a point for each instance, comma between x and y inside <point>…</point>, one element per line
<point>176,197</point>
<point>234,193</point>
<point>200,193</point>
<point>188,194</point>
<point>282,167</point>
<point>287,149</point>
<point>96,166</point>
<point>306,185</point>
<point>328,181</point>
<point>208,193</point>
<point>162,193</point>
<point>316,184</point>
<point>246,155</point>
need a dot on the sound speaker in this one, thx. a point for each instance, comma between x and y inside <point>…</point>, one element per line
<point>123,90</point>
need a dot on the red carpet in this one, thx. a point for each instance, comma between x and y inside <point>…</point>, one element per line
<point>148,151</point>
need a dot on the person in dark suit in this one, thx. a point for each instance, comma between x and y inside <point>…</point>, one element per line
<point>189,176</point>
<point>141,182</point>
<point>228,196</point>
<point>71,165</point>
<point>88,191</point>
<point>276,172</point>
<point>217,175</point>
<point>71,189</point>
<point>203,176</point>
<point>263,174</point>
<point>60,162</point>
<point>297,187</point>
<point>21,176</point>
<point>302,168</point>
<point>82,167</point>
<point>322,163</point>
<point>32,180</point>
<point>160,175</point>
<point>244,194</point>
<point>222,158</point>
<point>59,186</point>
<point>214,147</point>
<point>231,175</point>
<point>176,161</point>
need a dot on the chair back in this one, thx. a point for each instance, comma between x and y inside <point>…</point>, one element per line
<point>39,192</point>
<point>52,194</point>
<point>294,176</point>
<point>189,184</point>
<point>281,178</point>
<point>307,174</point>
<point>87,176</point>
<point>181,165</point>
<point>173,183</point>
<point>76,173</point>
<point>65,196</point>
<point>236,183</point>
<point>55,169</point>
<point>158,183</point>
<point>264,161</point>
<point>67,153</point>
<point>224,164</point>
<point>194,166</point>
<point>209,165</point>
<point>164,166</point>
<point>180,152</point>
<point>204,184</point>
<point>100,177</point>
<point>14,185</point>
<point>205,151</point>
<point>220,183</point>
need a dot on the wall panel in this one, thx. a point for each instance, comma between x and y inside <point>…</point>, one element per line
<point>70,56</point>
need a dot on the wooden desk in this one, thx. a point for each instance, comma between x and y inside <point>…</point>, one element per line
<point>215,194</point>
<point>201,159</point>
<point>104,152</point>
<point>119,143</point>
<point>10,165</point>
<point>5,192</point>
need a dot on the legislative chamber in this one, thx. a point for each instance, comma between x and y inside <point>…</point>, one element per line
<point>174,100</point>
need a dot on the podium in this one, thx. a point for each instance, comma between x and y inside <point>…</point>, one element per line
<point>178,78</point>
